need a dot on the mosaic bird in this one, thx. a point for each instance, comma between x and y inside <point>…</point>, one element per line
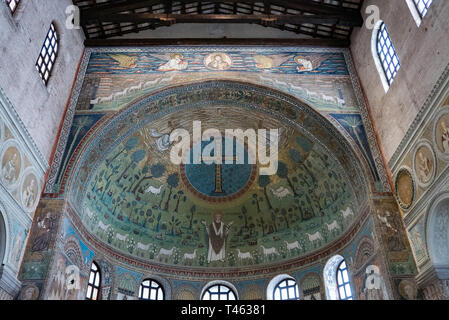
<point>309,63</point>
<point>124,60</point>
<point>272,61</point>
<point>163,141</point>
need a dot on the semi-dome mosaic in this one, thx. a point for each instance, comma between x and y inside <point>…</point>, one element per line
<point>133,199</point>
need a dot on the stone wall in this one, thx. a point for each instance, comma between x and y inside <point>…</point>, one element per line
<point>21,181</point>
<point>423,55</point>
<point>39,107</point>
<point>421,178</point>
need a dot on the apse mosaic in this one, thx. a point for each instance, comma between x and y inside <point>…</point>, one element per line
<point>138,202</point>
<point>112,79</point>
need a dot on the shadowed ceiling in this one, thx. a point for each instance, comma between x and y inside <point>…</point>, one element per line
<point>325,21</point>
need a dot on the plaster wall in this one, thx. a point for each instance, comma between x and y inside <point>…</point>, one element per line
<point>210,30</point>
<point>422,52</point>
<point>39,107</point>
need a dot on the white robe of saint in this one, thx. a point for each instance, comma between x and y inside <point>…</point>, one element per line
<point>220,232</point>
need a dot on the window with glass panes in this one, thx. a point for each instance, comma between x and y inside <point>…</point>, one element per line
<point>343,284</point>
<point>48,54</point>
<point>12,5</point>
<point>218,292</point>
<point>286,290</point>
<point>93,287</point>
<point>387,54</point>
<point>423,6</point>
<point>151,290</point>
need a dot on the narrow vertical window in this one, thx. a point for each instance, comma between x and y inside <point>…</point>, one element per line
<point>48,54</point>
<point>343,284</point>
<point>150,290</point>
<point>12,5</point>
<point>93,287</point>
<point>387,54</point>
<point>384,54</point>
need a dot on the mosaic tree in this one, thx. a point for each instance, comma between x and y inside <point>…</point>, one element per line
<point>264,181</point>
<point>172,181</point>
<point>136,157</point>
<point>283,174</point>
<point>129,145</point>
<point>157,170</point>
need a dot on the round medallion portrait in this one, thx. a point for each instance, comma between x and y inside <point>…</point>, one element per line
<point>218,61</point>
<point>11,165</point>
<point>405,189</point>
<point>29,191</point>
<point>424,164</point>
<point>441,134</point>
<point>407,289</point>
<point>30,292</point>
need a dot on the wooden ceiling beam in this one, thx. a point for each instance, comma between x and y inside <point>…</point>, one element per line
<point>340,43</point>
<point>111,18</point>
<point>224,18</point>
<point>301,5</point>
<point>315,7</point>
<point>112,7</point>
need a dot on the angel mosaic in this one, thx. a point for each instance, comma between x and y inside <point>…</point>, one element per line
<point>175,62</point>
<point>309,63</point>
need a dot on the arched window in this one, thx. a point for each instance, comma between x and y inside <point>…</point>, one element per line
<point>337,280</point>
<point>286,290</point>
<point>384,54</point>
<point>151,290</point>
<point>419,9</point>
<point>219,291</point>
<point>343,284</point>
<point>12,5</point>
<point>283,287</point>
<point>93,287</point>
<point>47,56</point>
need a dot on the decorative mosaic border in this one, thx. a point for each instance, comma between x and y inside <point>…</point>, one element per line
<point>372,139</point>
